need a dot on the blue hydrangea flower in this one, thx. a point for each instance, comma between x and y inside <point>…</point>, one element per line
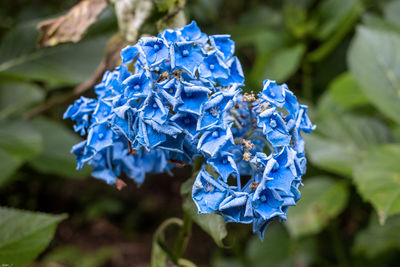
<point>183,100</point>
<point>273,93</point>
<point>257,125</point>
<point>213,66</point>
<point>224,164</point>
<point>274,127</point>
<point>223,44</point>
<point>80,112</point>
<point>154,50</point>
<point>192,33</point>
<point>213,140</point>
<point>187,56</point>
<point>193,97</point>
<point>208,193</point>
<point>157,106</point>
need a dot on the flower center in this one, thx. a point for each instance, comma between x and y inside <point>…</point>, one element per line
<point>155,105</point>
<point>187,121</point>
<point>215,134</point>
<point>101,136</point>
<point>136,87</point>
<point>212,67</point>
<point>214,111</point>
<point>185,53</point>
<point>171,91</point>
<point>272,123</point>
<point>209,187</point>
<point>272,94</point>
<point>156,47</point>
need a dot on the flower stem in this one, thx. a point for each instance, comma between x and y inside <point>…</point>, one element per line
<point>183,236</point>
<point>338,245</point>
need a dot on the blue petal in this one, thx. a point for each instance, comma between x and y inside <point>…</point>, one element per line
<point>236,73</point>
<point>186,56</point>
<point>193,98</point>
<point>171,90</point>
<point>213,140</point>
<point>187,122</point>
<point>153,109</point>
<point>274,127</point>
<point>192,32</point>
<point>224,165</point>
<point>207,193</point>
<point>100,136</point>
<point>154,50</point>
<point>128,54</point>
<point>223,44</point>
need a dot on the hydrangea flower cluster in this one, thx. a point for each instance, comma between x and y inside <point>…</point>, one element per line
<point>183,100</point>
<point>268,147</point>
<point>183,84</point>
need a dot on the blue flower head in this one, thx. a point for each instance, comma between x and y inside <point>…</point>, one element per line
<point>183,100</point>
<point>158,106</point>
<point>276,119</point>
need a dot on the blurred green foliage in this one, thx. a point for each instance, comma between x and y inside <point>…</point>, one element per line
<point>342,57</point>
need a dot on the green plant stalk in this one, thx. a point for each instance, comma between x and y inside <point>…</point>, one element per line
<point>186,229</point>
<point>338,245</point>
<point>326,48</point>
<point>183,236</point>
<point>307,83</point>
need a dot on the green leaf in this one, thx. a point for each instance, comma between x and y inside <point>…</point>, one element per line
<point>20,40</point>
<point>264,41</point>
<point>323,198</point>
<point>255,17</point>
<point>346,92</point>
<point>164,5</point>
<point>391,12</point>
<point>373,62</point>
<point>68,64</point>
<point>8,165</point>
<point>212,224</point>
<point>377,179</point>
<point>265,35</point>
<point>70,255</point>
<point>160,253</point>
<point>334,31</point>
<point>24,234</point>
<point>377,239</point>
<point>295,17</point>
<point>278,250</point>
<point>17,97</point>
<point>279,65</point>
<point>341,139</point>
<point>372,20</point>
<point>20,139</point>
<point>57,143</point>
<point>332,14</point>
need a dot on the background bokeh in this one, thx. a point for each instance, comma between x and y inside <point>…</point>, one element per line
<point>340,57</point>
